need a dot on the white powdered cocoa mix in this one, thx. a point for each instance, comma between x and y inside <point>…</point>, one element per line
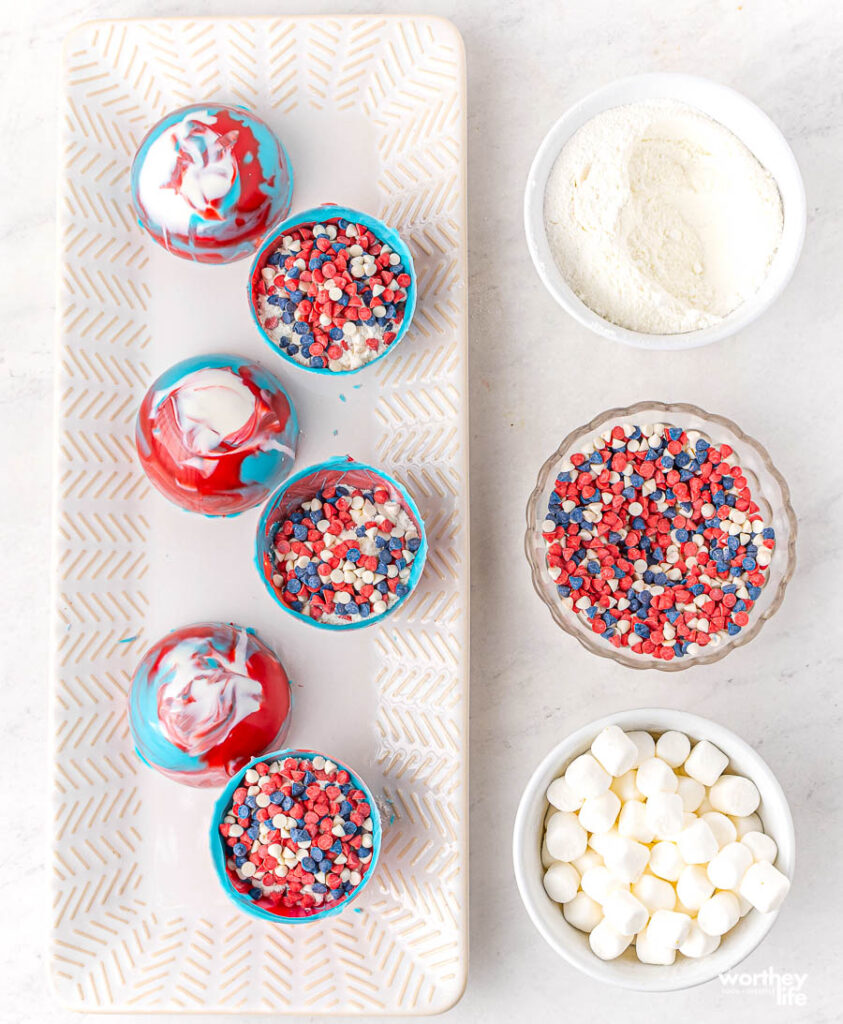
<point>660,219</point>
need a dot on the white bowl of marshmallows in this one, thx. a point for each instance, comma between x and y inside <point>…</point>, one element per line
<point>653,849</point>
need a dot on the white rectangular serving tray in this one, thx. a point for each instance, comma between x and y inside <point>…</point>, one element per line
<point>372,112</point>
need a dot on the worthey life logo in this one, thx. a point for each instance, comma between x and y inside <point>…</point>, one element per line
<point>787,987</point>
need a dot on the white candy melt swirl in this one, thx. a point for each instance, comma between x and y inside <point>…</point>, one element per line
<point>200,160</point>
<point>206,694</point>
<point>647,841</point>
<point>212,404</point>
<point>660,219</point>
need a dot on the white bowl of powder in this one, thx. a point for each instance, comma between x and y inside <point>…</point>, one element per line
<point>665,211</point>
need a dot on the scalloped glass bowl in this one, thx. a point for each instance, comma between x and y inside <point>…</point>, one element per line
<point>769,490</point>
<point>627,971</point>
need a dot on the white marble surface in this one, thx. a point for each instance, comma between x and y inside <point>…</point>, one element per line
<point>535,374</point>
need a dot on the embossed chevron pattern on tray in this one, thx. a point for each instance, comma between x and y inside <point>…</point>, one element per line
<point>115,946</point>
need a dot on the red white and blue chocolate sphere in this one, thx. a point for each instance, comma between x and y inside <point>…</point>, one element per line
<point>209,182</point>
<point>206,699</point>
<point>216,434</point>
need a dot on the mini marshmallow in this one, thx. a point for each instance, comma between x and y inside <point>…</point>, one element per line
<point>666,861</point>
<point>625,787</point>
<point>697,944</point>
<point>590,859</point>
<point>761,846</point>
<point>719,913</point>
<point>668,929</point>
<point>655,776</point>
<point>633,822</point>
<point>566,838</point>
<point>582,912</point>
<point>764,886</point>
<point>664,814</point>
<point>626,859</point>
<point>625,913</point>
<point>706,763</point>
<point>599,883</point>
<point>722,827</point>
<point>673,747</point>
<point>693,886</point>
<point>697,843</point>
<point>729,866</point>
<point>586,777</point>
<point>562,797</point>
<point>649,953</point>
<point>691,792</point>
<point>752,823</point>
<point>606,942</point>
<point>654,893</point>
<point>615,751</point>
<point>733,794</point>
<point>598,813</point>
<point>601,841</point>
<point>644,743</point>
<point>561,882</point>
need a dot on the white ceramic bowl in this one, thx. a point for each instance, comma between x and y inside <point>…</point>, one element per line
<point>567,941</point>
<point>743,119</point>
